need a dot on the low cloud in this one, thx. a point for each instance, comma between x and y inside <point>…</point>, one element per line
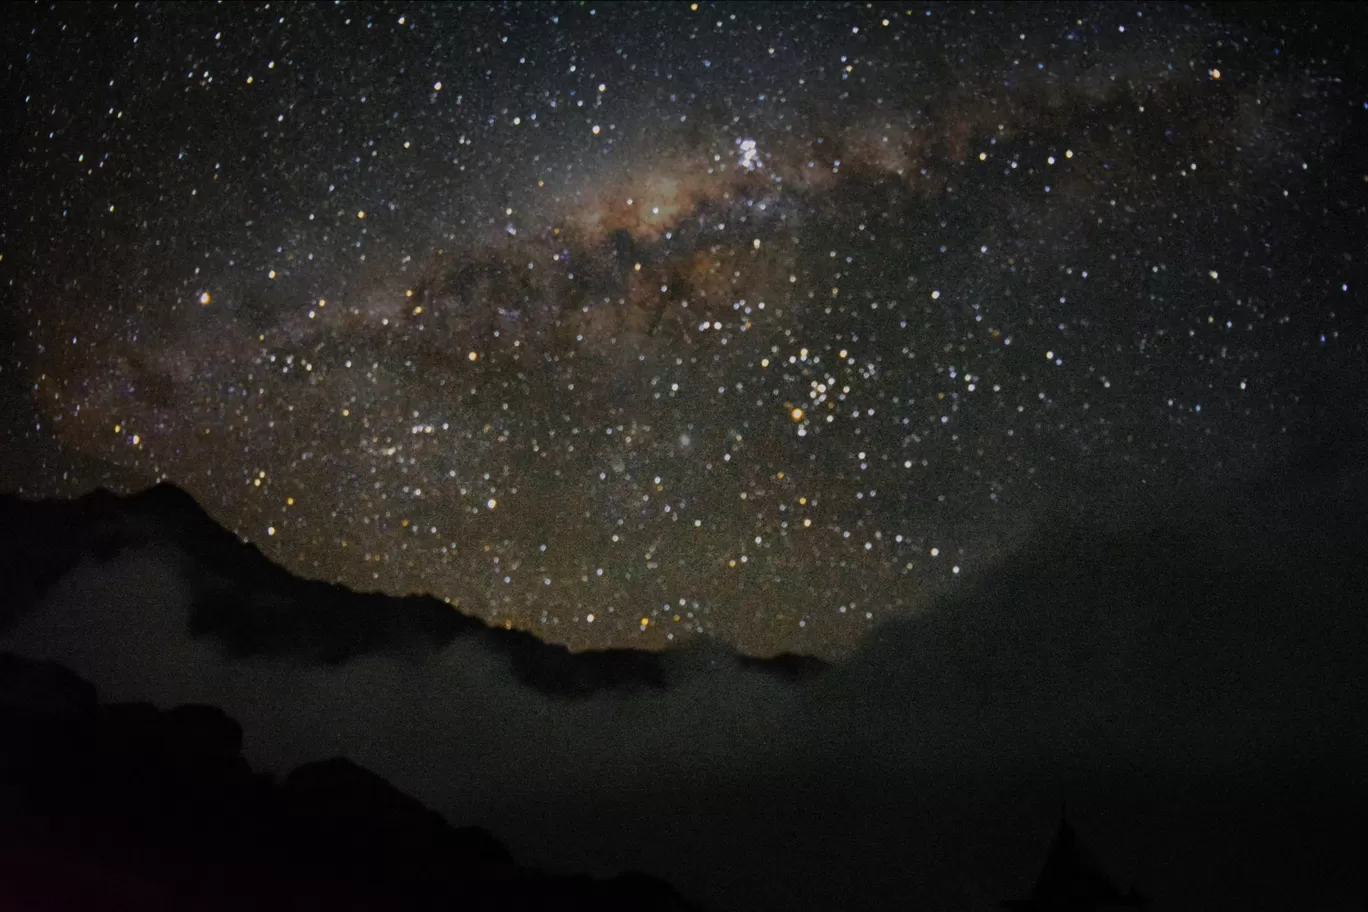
<point>1214,653</point>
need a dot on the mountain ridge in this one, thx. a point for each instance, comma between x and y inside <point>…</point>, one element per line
<point>118,805</point>
<point>250,605</point>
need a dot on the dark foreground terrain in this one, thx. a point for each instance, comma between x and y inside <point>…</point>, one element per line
<point>124,806</point>
<point>1192,686</point>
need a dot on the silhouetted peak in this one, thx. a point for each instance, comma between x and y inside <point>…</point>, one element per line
<point>181,515</point>
<point>336,775</point>
<point>164,496</point>
<point>1073,878</point>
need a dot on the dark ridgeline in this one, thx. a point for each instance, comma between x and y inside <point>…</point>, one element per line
<point>1225,607</point>
<point>123,806</point>
<point>1073,879</point>
<point>250,606</point>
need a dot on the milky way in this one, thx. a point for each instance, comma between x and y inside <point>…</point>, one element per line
<point>633,323</point>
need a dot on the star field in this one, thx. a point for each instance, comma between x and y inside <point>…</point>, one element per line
<point>626,324</point>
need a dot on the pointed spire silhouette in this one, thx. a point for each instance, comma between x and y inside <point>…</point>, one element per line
<point>1073,878</point>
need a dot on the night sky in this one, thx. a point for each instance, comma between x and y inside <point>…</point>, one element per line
<point>626,324</point>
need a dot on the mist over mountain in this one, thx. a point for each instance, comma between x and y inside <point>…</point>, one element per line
<point>125,806</point>
<point>835,457</point>
<point>250,607</point>
<point>1188,679</point>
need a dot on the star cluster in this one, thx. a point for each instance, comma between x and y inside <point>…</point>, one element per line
<point>627,324</point>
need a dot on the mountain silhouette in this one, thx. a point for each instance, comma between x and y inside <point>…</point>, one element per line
<point>1073,879</point>
<point>1186,676</point>
<point>127,806</point>
<point>251,606</point>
